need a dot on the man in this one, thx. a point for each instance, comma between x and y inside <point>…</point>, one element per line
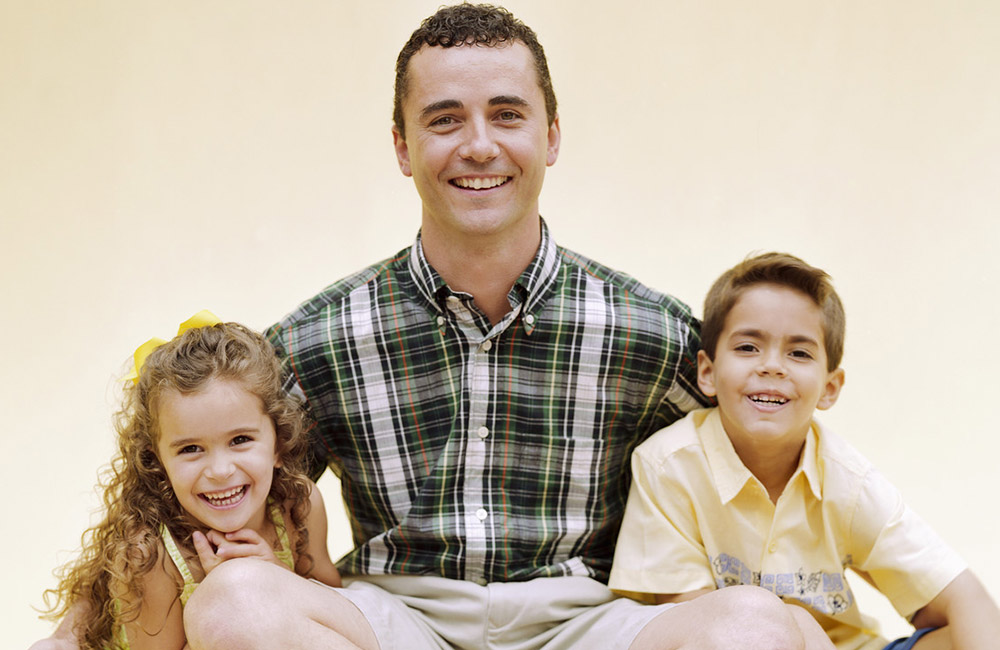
<point>479,395</point>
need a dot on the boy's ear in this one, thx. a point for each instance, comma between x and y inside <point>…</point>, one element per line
<point>834,382</point>
<point>706,375</point>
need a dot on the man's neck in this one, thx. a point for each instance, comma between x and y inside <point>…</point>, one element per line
<point>485,267</point>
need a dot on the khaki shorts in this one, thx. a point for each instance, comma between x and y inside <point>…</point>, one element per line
<point>427,612</point>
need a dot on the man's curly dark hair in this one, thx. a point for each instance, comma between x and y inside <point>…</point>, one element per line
<point>471,24</point>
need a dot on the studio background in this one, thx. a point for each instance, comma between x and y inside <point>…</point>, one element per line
<point>160,158</point>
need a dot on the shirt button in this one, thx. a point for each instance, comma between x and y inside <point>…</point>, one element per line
<point>483,432</point>
<point>482,582</point>
<point>529,319</point>
<point>772,547</point>
<point>440,321</point>
<point>487,346</point>
<point>481,514</point>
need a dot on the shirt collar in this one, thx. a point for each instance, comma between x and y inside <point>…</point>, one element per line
<point>535,284</point>
<point>729,472</point>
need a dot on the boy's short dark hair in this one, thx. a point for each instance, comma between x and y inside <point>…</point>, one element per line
<point>469,24</point>
<point>784,270</point>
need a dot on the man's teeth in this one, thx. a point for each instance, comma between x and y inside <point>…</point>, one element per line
<point>768,399</point>
<point>480,183</point>
<point>225,498</point>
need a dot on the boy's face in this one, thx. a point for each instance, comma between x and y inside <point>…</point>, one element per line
<point>770,369</point>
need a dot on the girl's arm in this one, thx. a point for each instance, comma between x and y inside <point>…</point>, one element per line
<point>160,625</point>
<point>323,568</point>
<point>965,607</point>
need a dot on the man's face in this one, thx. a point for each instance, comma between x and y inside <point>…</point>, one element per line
<point>477,141</point>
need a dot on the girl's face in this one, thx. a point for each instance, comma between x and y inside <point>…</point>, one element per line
<point>218,448</point>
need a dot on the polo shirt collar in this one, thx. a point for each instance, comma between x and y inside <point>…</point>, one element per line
<point>729,472</point>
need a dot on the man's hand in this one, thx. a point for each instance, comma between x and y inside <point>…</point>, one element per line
<point>214,548</point>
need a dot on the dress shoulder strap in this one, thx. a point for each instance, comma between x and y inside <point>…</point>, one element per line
<point>180,563</point>
<point>285,552</point>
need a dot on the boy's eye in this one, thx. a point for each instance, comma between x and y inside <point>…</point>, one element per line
<point>746,347</point>
<point>802,354</point>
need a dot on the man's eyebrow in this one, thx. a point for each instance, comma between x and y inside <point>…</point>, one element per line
<point>508,100</point>
<point>443,105</point>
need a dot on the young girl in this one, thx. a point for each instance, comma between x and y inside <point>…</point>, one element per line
<point>207,469</point>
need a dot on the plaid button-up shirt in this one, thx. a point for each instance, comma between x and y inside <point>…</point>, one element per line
<point>487,452</point>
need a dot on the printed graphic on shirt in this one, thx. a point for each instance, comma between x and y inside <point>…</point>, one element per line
<point>828,593</point>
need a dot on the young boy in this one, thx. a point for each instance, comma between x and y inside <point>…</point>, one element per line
<point>755,492</point>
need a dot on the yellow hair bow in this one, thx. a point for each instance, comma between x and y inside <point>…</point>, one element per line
<point>204,318</point>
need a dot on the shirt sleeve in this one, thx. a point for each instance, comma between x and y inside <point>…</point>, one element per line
<point>898,551</point>
<point>660,549</point>
<point>318,456</point>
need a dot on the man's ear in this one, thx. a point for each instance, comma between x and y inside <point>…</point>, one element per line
<point>706,374</point>
<point>555,137</point>
<point>402,151</point>
<point>834,382</point>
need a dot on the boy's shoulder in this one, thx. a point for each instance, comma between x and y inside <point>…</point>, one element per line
<point>680,436</point>
<point>838,455</point>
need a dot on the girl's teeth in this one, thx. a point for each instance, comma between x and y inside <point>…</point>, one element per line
<point>225,498</point>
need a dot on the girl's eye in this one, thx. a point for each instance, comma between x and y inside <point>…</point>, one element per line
<point>190,449</point>
<point>239,440</point>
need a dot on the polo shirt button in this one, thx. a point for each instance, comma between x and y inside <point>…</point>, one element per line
<point>487,346</point>
<point>440,321</point>
<point>529,319</point>
<point>483,432</point>
<point>481,514</point>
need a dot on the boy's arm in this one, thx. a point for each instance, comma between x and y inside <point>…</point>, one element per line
<point>323,568</point>
<point>972,617</point>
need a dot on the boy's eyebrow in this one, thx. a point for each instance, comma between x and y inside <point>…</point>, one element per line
<point>760,334</point>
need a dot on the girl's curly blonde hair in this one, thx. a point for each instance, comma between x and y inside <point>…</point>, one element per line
<point>138,499</point>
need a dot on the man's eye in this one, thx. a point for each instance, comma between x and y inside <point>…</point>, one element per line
<point>443,121</point>
<point>508,115</point>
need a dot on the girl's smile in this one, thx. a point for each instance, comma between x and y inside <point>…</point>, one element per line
<point>218,448</point>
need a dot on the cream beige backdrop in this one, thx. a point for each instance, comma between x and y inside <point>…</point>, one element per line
<point>157,158</point>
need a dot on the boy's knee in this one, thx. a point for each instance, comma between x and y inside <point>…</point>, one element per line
<point>759,619</point>
<point>743,617</point>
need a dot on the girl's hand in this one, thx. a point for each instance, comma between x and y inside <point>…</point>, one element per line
<point>214,548</point>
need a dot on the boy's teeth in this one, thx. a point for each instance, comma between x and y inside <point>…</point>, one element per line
<point>766,399</point>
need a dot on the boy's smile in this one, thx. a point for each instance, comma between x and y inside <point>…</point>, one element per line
<point>770,371</point>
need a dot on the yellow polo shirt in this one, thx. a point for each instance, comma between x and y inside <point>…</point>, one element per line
<point>697,518</point>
